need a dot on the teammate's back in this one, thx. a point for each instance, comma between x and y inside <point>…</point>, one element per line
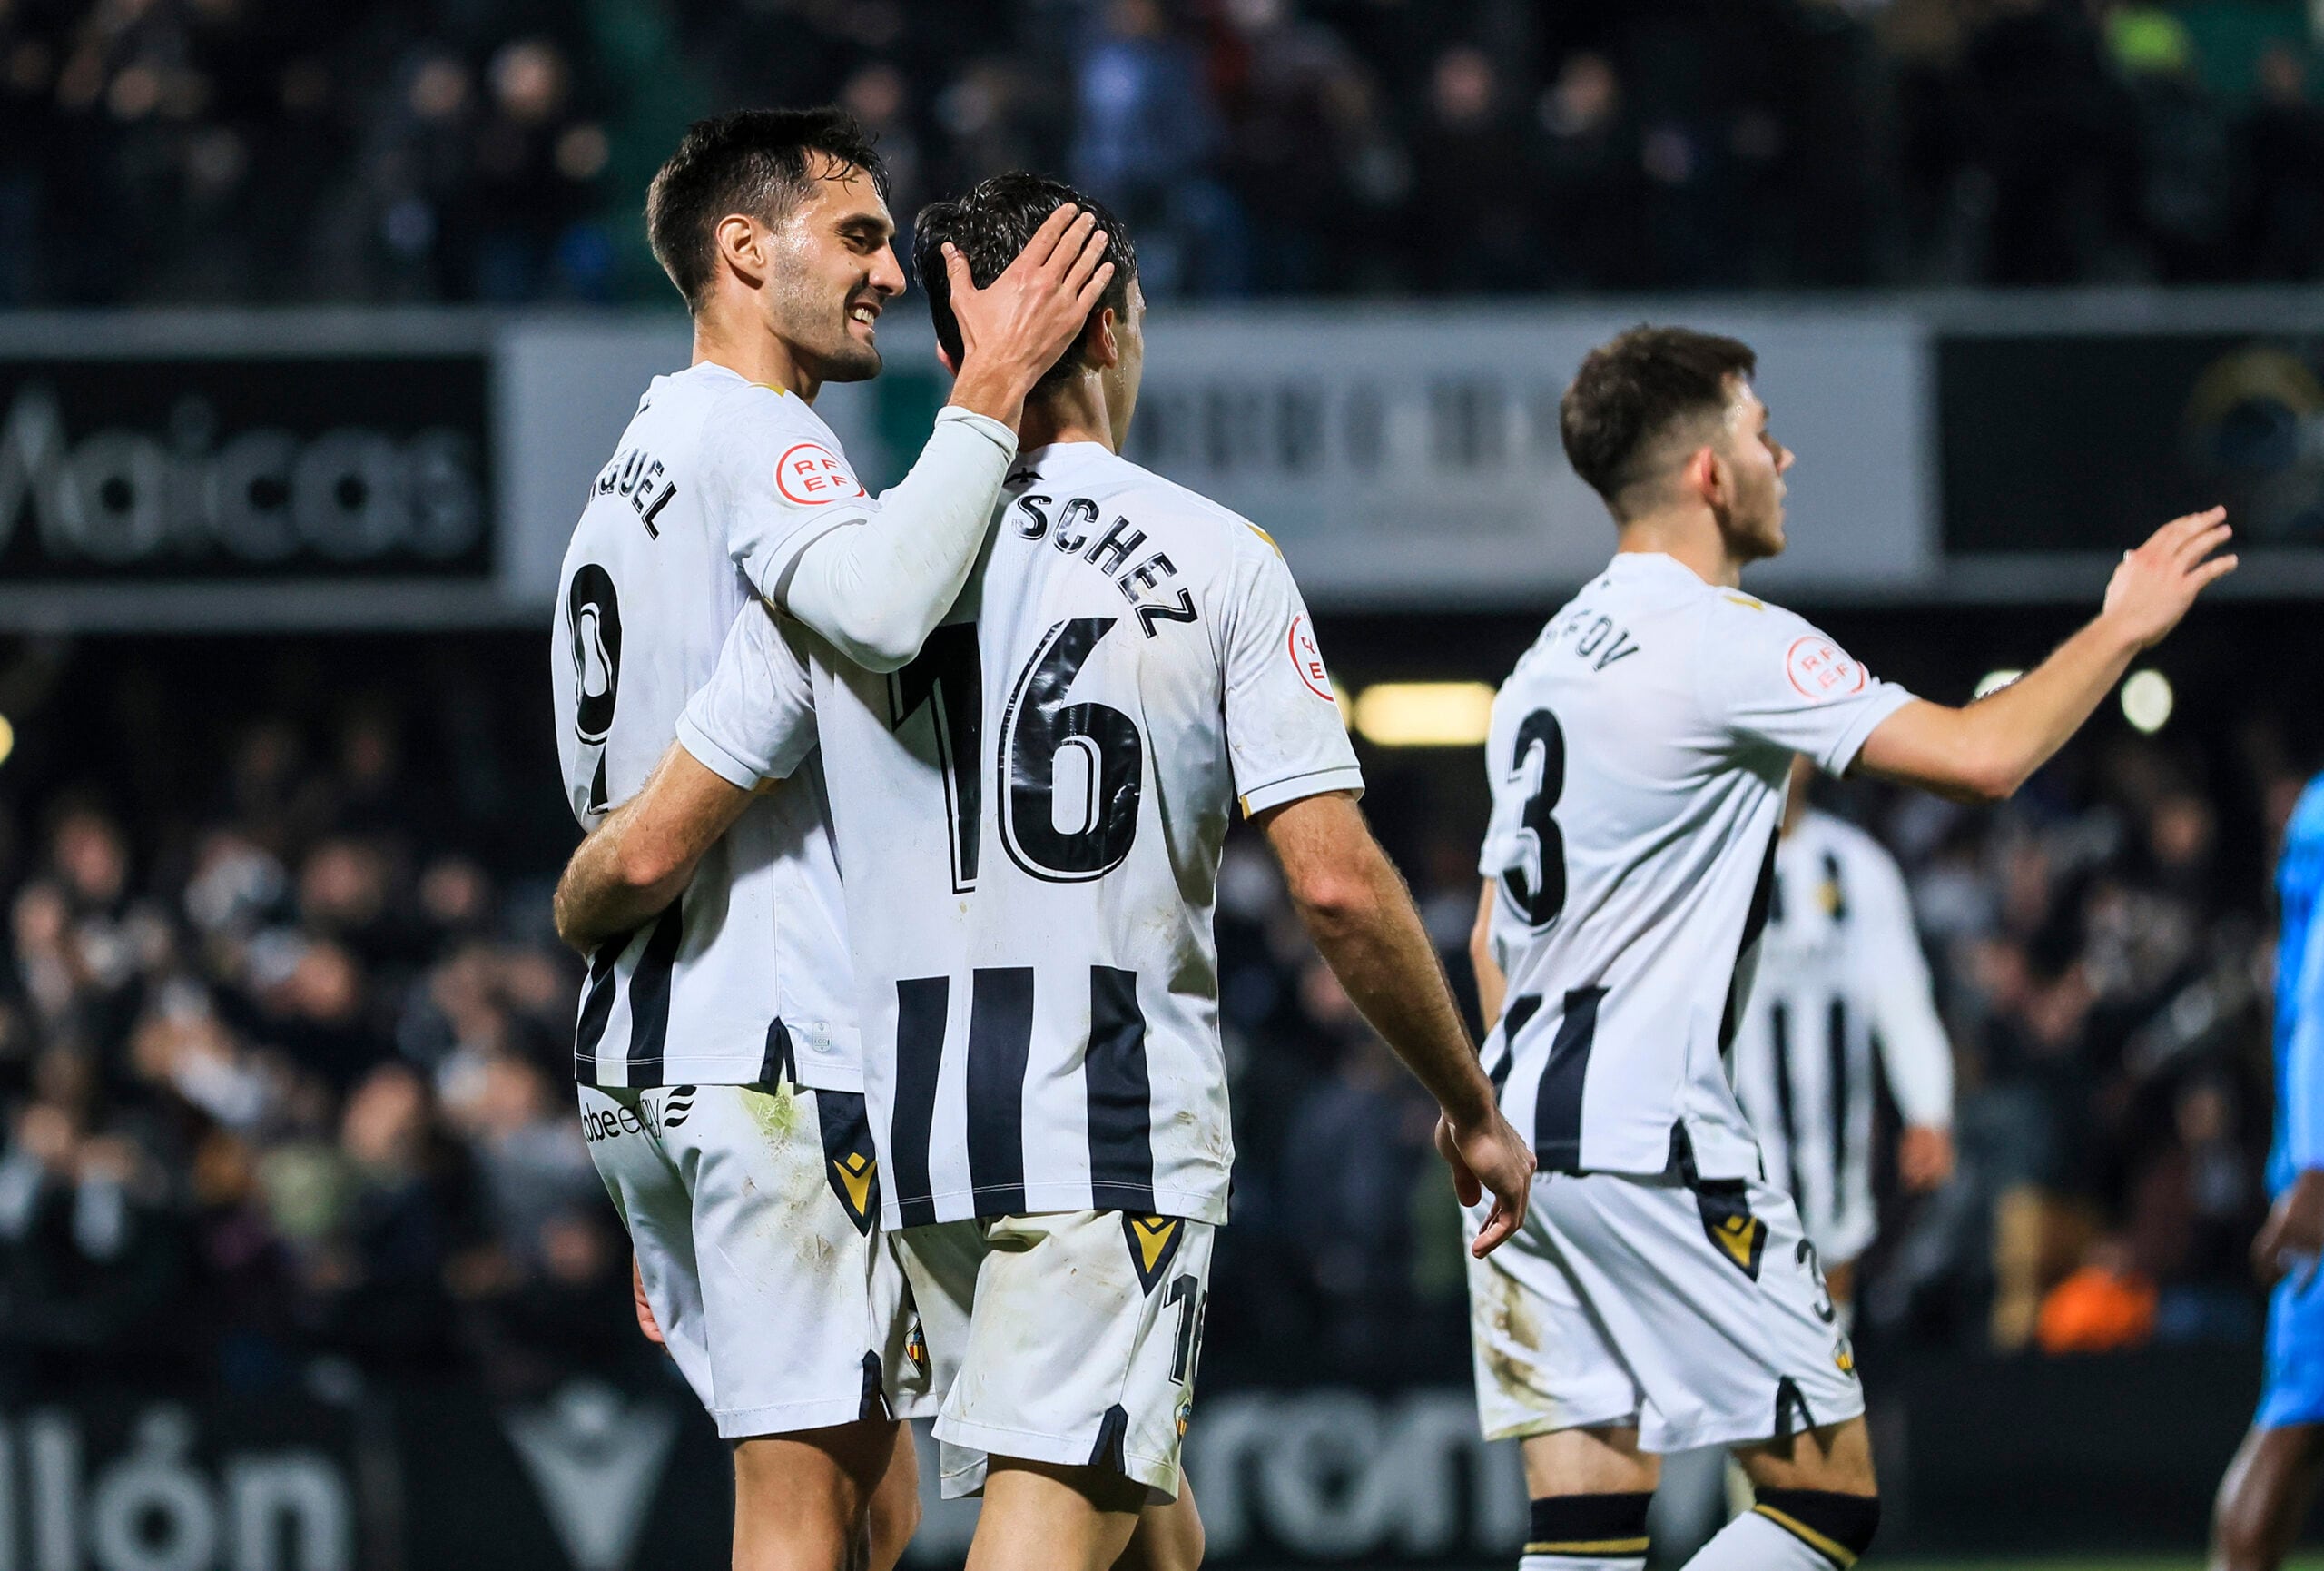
<point>1054,778</point>
<point>1638,756</point>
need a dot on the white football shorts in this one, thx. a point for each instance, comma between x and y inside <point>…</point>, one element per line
<point>1695,1311</point>
<point>1069,1338</point>
<point>753,1213</point>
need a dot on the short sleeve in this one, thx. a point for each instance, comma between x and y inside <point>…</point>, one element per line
<point>755,719</point>
<point>1284,736</point>
<point>782,483</point>
<point>1769,677</point>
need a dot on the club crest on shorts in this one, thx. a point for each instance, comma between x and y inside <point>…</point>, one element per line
<point>1741,1237</point>
<point>851,1163</point>
<point>1153,1245</point>
<point>916,1348</point>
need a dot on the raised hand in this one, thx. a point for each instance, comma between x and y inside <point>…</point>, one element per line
<point>2157,582</point>
<point>1015,327</point>
<point>1488,1155</point>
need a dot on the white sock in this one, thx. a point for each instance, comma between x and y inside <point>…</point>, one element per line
<point>1582,1563</point>
<point>1752,1543</point>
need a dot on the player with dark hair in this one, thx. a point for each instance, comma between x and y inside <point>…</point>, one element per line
<point>720,1078</point>
<point>1661,1295</point>
<point>2264,1499</point>
<point>1030,815</point>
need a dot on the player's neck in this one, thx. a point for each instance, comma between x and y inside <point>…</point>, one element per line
<point>1076,413</point>
<point>1690,535</point>
<point>749,349</point>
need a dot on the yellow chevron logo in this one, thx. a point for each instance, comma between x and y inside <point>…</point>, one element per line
<point>1153,1236</point>
<point>855,1171</point>
<point>1739,1237</point>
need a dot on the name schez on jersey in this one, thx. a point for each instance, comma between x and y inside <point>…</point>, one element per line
<point>1072,528</point>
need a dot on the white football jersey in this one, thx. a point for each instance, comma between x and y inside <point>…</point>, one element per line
<point>1638,758</point>
<point>1840,969</point>
<point>1030,818</point>
<point>714,490</point>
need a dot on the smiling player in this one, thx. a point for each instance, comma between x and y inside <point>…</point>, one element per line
<point>721,1086</point>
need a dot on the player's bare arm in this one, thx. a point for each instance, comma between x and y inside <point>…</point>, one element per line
<point>1492,987</point>
<point>1361,915</point>
<point>644,852</point>
<point>1984,752</point>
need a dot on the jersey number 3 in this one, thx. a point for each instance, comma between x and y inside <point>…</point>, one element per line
<point>1540,902</point>
<point>1086,756</point>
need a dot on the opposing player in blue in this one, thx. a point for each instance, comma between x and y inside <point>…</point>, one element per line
<point>2263,1500</point>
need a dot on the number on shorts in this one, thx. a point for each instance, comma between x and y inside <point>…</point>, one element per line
<point>1806,1255</point>
<point>1193,1308</point>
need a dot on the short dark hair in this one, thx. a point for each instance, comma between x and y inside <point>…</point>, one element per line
<point>753,161</point>
<point>1634,391</point>
<point>991,225</point>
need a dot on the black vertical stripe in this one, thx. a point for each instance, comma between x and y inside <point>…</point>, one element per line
<point>920,1005</point>
<point>1755,923</point>
<point>1000,1039</point>
<point>1839,890</point>
<point>1836,1044</point>
<point>597,1006</point>
<point>1556,1105</point>
<point>1121,1097</point>
<point>1787,1109</point>
<point>649,998</point>
<point>778,1061</point>
<point>1513,1022</point>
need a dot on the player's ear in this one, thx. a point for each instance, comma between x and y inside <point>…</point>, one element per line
<point>1702,476</point>
<point>741,244</point>
<point>1100,340</point>
<point>944,358</point>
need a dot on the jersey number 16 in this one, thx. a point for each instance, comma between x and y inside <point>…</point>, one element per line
<point>1039,731</point>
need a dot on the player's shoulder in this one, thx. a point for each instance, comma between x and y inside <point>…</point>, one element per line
<point>2306,825</point>
<point>2303,853</point>
<point>1190,515</point>
<point>733,403</point>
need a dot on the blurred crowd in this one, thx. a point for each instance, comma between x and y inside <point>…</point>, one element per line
<point>285,1044</point>
<point>265,151</point>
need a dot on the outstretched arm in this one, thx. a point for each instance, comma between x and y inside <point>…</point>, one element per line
<point>1984,752</point>
<point>1361,918</point>
<point>876,587</point>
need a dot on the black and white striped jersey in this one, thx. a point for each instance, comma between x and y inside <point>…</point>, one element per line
<point>1840,969</point>
<point>1030,817</point>
<point>1638,759</point>
<point>713,491</point>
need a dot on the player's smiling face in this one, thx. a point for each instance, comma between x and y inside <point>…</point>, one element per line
<point>836,270</point>
<point>1752,516</point>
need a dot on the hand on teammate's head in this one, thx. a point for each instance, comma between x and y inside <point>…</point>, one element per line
<point>1034,311</point>
<point>2155,584</point>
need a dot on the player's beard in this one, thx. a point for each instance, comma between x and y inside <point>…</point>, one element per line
<point>824,343</point>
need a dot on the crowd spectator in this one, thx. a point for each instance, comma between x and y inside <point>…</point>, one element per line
<point>261,152</point>
<point>285,1046</point>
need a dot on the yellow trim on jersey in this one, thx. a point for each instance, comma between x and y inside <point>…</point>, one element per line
<point>1637,1545</point>
<point>1830,1549</point>
<point>1263,534</point>
<point>1746,601</point>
